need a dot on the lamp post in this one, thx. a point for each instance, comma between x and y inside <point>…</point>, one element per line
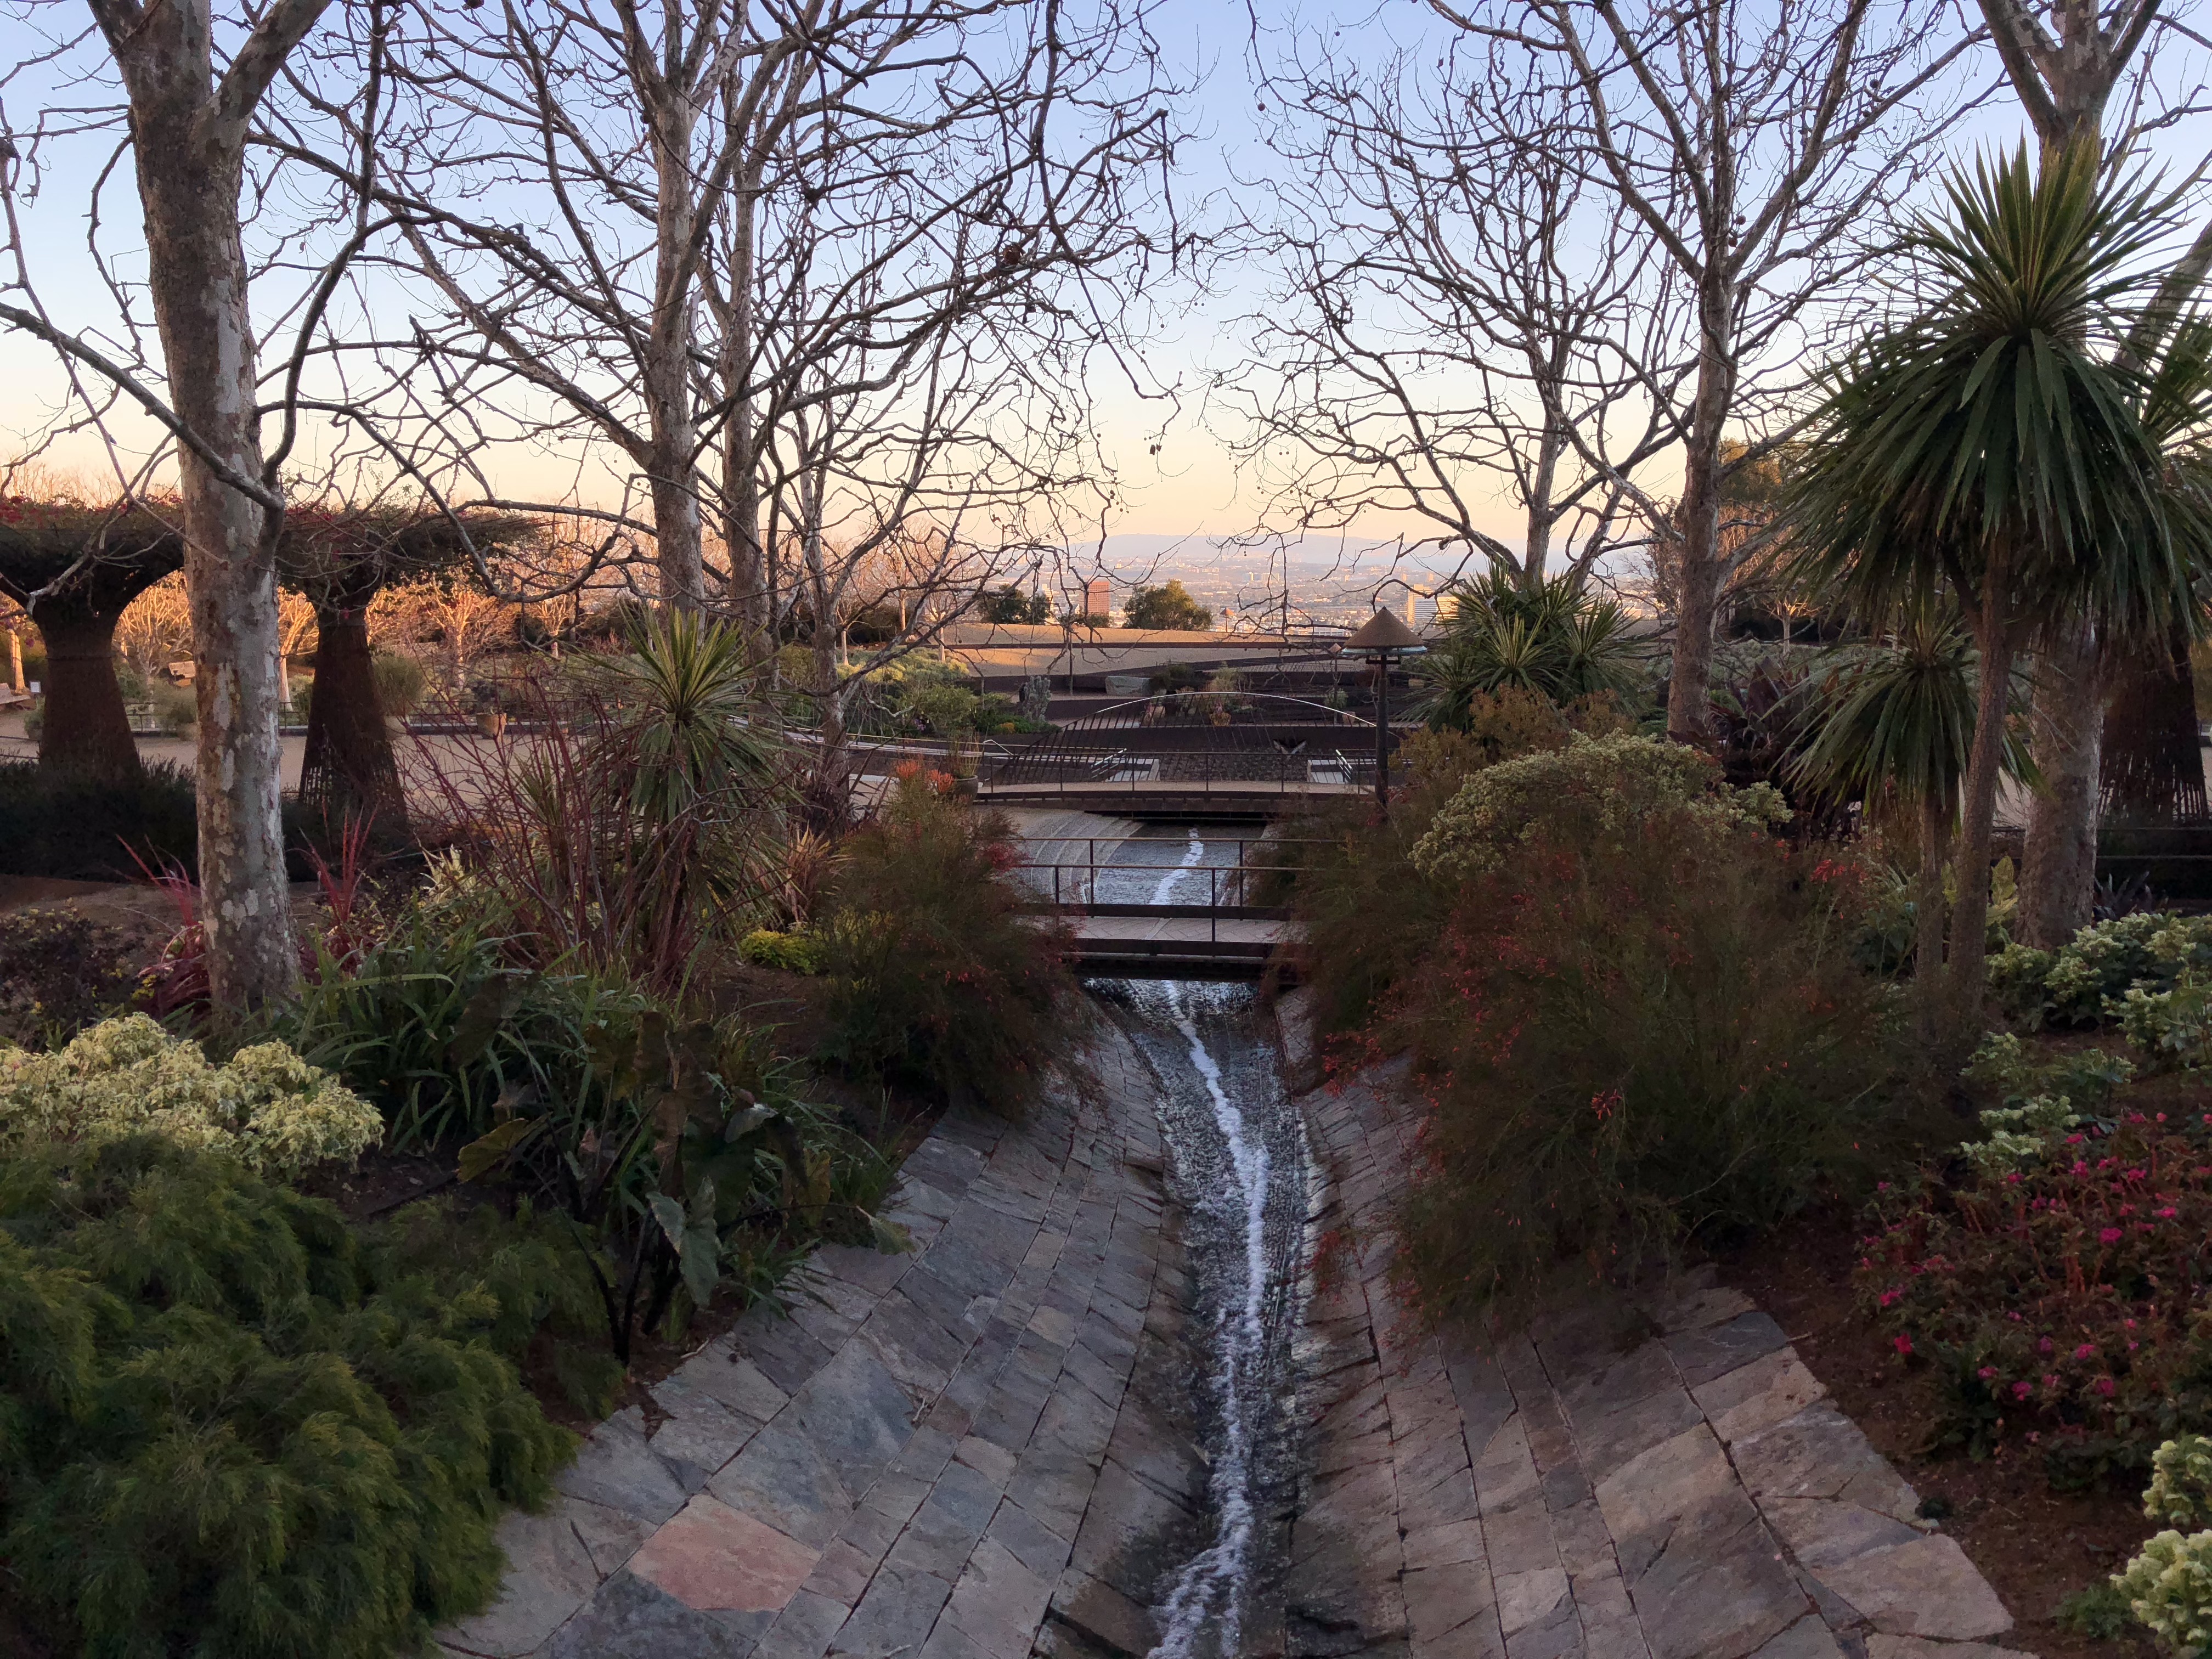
<point>1384,638</point>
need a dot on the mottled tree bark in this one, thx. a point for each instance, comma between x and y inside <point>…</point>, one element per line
<point>1927,916</point>
<point>189,126</point>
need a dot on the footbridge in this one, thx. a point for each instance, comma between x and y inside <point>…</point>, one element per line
<point>1183,902</point>
<point>1212,754</point>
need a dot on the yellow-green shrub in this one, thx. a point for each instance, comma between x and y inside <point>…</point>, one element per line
<point>265,1106</point>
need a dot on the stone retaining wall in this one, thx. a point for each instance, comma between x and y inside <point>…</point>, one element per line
<point>1650,1478</point>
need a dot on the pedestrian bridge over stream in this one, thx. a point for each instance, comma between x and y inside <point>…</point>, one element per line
<point>1201,900</point>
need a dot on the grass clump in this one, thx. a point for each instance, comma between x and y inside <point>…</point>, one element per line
<point>56,821</point>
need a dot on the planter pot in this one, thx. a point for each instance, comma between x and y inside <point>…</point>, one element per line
<point>965,787</point>
<point>492,723</point>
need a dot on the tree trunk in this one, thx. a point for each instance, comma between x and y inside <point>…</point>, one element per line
<point>196,272</point>
<point>741,495</point>
<point>827,797</point>
<point>1927,916</point>
<point>1690,685</point>
<point>1993,633</point>
<point>2154,770</point>
<point>86,727</point>
<point>349,771</point>
<point>2059,870</point>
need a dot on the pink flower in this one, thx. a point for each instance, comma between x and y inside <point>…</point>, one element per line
<point>2106,1386</point>
<point>1902,1344</point>
<point>2044,1346</point>
<point>1986,1372</point>
<point>2110,1236</point>
<point>2021,1390</point>
<point>2167,1213</point>
<point>2086,1351</point>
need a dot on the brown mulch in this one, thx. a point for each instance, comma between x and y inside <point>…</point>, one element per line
<point>2036,1546</point>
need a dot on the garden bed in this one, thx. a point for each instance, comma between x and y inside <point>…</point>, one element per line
<point>2036,1546</point>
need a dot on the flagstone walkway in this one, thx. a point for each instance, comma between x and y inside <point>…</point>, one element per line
<point>984,1448</point>
<point>961,1451</point>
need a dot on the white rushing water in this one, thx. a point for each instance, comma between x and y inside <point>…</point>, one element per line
<point>1210,1590</point>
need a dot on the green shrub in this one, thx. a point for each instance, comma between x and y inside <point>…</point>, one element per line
<point>2086,981</point>
<point>60,970</point>
<point>795,952</point>
<point>1641,1026</point>
<point>1605,788</point>
<point>938,976</point>
<point>2099,1612</point>
<point>2041,1099</point>
<point>126,1077</point>
<point>232,1430</point>
<point>56,821</point>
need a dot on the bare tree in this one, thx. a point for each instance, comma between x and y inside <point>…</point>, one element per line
<point>1755,143</point>
<point>191,116</point>
<point>1464,313</point>
<point>2065,62</point>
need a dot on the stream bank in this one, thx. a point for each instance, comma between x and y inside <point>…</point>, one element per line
<point>1142,1388</point>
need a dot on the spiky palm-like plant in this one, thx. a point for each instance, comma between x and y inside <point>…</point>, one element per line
<point>1897,716</point>
<point>1991,445</point>
<point>1555,640</point>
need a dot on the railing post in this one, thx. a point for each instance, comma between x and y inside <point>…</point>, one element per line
<point>1213,904</point>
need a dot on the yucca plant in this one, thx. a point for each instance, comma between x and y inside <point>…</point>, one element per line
<point>1991,445</point>
<point>1554,639</point>
<point>1896,717</point>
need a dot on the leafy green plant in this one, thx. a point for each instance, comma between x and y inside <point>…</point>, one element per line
<point>232,1429</point>
<point>128,1076</point>
<point>675,1177</point>
<point>1554,640</point>
<point>2099,1612</point>
<point>400,683</point>
<point>938,975</point>
<point>2041,1099</point>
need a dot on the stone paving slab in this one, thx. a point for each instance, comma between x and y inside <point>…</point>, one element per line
<point>970,1450</point>
<point>1656,1477</point>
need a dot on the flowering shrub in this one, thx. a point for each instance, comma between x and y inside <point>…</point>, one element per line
<point>122,1077</point>
<point>1638,1028</point>
<point>1606,787</point>
<point>2059,1293</point>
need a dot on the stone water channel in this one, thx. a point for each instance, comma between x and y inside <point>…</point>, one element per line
<point>1141,1390</point>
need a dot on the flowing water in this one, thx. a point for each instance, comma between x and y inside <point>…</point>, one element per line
<point>1245,1179</point>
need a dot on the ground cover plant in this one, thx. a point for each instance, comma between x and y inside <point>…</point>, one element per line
<point>92,826</point>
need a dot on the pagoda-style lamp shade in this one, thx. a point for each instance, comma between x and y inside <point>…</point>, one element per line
<point>1384,633</point>
<point>1384,637</point>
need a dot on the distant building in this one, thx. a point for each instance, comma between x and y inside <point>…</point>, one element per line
<point>1098,598</point>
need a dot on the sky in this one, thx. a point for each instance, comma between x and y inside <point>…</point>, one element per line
<point>1182,493</point>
